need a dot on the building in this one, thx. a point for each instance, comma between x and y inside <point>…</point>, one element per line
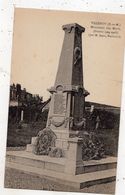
<point>23,105</point>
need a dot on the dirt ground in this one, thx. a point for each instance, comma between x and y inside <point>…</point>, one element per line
<point>26,181</point>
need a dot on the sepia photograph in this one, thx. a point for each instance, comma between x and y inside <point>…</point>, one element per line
<point>64,101</point>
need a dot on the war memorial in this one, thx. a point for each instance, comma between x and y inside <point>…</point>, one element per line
<point>56,152</point>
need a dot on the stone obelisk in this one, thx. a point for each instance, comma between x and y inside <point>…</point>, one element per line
<point>66,111</point>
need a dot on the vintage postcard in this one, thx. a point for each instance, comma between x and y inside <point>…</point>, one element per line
<point>65,101</point>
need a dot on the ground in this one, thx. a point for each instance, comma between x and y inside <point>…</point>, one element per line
<point>26,181</point>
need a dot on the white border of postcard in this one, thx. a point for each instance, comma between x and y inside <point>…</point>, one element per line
<point>6,33</point>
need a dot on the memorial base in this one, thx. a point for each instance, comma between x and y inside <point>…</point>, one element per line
<point>69,170</point>
<point>93,172</point>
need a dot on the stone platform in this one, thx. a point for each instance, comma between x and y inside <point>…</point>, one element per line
<point>93,172</point>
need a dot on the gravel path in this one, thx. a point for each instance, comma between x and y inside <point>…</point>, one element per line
<point>26,181</point>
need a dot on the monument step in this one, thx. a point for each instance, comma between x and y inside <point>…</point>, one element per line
<point>29,148</point>
<point>30,159</point>
<point>58,165</point>
<point>97,165</point>
<point>76,181</point>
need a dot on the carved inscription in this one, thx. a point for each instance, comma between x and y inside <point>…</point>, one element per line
<point>59,103</point>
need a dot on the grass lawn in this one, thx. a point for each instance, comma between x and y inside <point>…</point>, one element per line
<point>26,181</point>
<point>22,136</point>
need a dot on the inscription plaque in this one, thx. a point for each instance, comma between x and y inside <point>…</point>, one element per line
<point>59,103</point>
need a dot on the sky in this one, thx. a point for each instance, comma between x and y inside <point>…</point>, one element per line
<point>37,43</point>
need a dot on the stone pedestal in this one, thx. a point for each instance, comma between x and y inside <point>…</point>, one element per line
<point>74,156</point>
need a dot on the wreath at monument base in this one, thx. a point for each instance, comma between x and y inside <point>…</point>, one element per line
<point>44,141</point>
<point>56,152</point>
<point>93,148</point>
